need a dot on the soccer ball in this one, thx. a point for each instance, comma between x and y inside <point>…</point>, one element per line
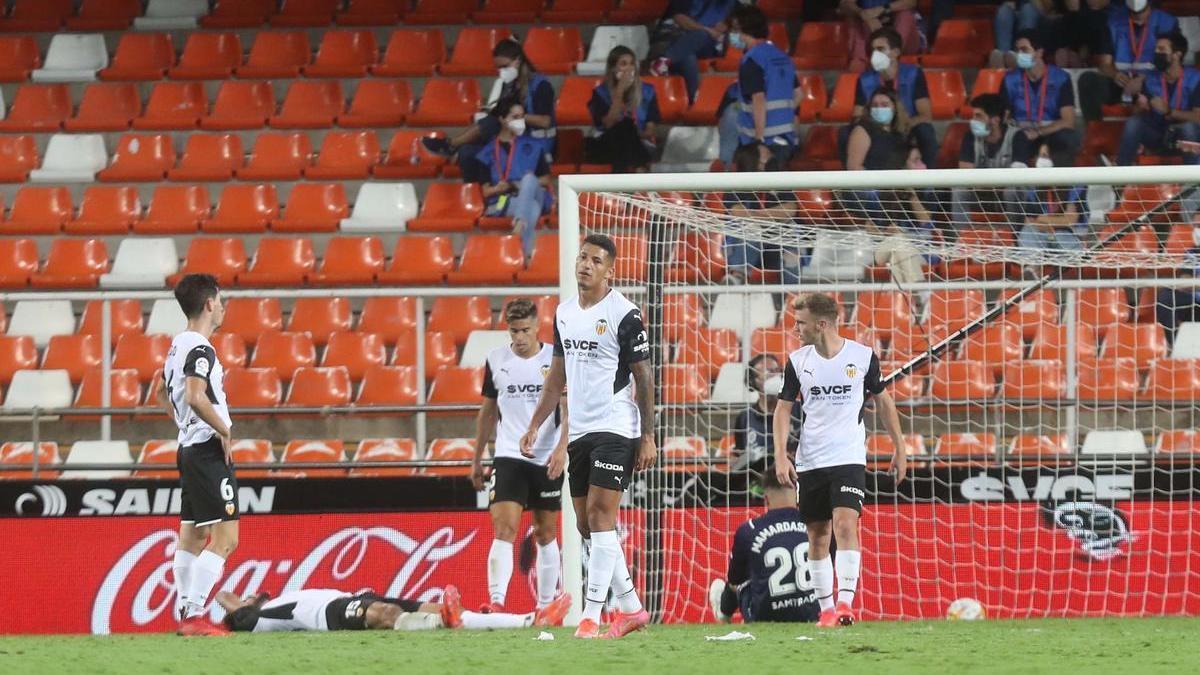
<point>966,609</point>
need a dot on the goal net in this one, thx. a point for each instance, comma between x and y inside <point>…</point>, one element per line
<point>1038,328</point>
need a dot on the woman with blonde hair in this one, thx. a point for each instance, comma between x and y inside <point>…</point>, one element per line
<point>625,114</point>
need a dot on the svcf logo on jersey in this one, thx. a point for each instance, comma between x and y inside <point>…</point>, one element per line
<point>601,327</point>
<point>851,370</point>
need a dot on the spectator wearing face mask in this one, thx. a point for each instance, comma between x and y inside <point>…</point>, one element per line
<point>767,86</point>
<point>689,31</point>
<point>521,82</point>
<point>753,439</point>
<point>514,173</point>
<point>1168,106</point>
<point>1126,56</point>
<point>908,81</point>
<point>1042,104</point>
<point>988,146</point>
<point>878,141</point>
<point>1019,15</point>
<point>1175,306</point>
<point>864,17</point>
<point>743,257</point>
<point>1056,217</point>
<point>624,114</point>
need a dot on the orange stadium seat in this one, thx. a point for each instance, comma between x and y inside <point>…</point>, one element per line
<point>238,13</point>
<point>510,11</point>
<point>1108,380</point>
<point>310,105</point>
<point>356,352</point>
<point>1041,381</point>
<point>965,449</point>
<point>208,56</point>
<point>440,352</point>
<point>697,256</point>
<point>419,260</point>
<point>573,97</point>
<point>880,449</point>
<point>388,316</point>
<point>1175,380</point>
<point>30,16</point>
<point>555,49</point>
<point>971,269</point>
<point>106,106</point>
<point>947,158</point>
<point>1179,239</point>
<point>99,15</point>
<point>158,452</point>
<point>19,156</point>
<point>906,387</point>
<point>300,452</point>
<point>408,158</point>
<point>1050,342</point>
<point>577,11</point>
<point>306,13</point>
<point>947,93</point>
<point>72,263</point>
<point>681,314</point>
<point>450,449</point>
<point>38,107</point>
<point>378,103</point>
<point>140,57</point>
<point>458,316</point>
<point>412,52</point>
<point>684,454</point>
<point>251,451</point>
<point>447,102</point>
<point>543,264</point>
<point>434,12</point>
<point>962,381</point>
<point>175,209</point>
<point>1175,444</point>
<point>1102,308</point>
<point>124,389</point>
<point>1037,311</point>
<point>995,345</point>
<point>319,387</point>
<point>22,453</point>
<point>248,317</point>
<point>372,12</point>
<point>457,385</point>
<point>244,209</point>
<point>126,318</point>
<point>350,261</point>
<point>775,341</point>
<point>276,156</point>
<point>705,350</point>
<point>682,383</point>
<point>241,105</point>
<point>822,45</point>
<point>388,385</point>
<point>885,311</point>
<point>140,158</point>
<point>75,354</point>
<point>820,149</point>
<point>703,111</point>
<point>488,259</point>
<point>223,258</point>
<point>209,157</point>
<point>952,309</point>
<point>280,261</point>
<point>106,209</point>
<point>385,450</point>
<point>313,207</point>
<point>1143,342</point>
<point>987,81</point>
<point>672,97</point>
<point>253,388</point>
<point>637,11</point>
<point>780,9</point>
<point>632,257</point>
<point>344,53</point>
<point>145,354</point>
<point>320,317</point>
<point>285,352</point>
<point>449,207</point>
<point>841,102</point>
<point>961,43</point>
<point>18,260</point>
<point>813,97</point>
<point>39,210</point>
<point>1031,449</point>
<point>345,155</point>
<point>173,105</point>
<point>230,348</point>
<point>472,52</point>
<point>19,56</point>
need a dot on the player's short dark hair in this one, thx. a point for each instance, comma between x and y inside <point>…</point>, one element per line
<point>518,309</point>
<point>193,290</point>
<point>888,33</point>
<point>604,242</point>
<point>746,157</point>
<point>992,104</point>
<point>1179,43</point>
<point>819,305</point>
<point>770,481</point>
<point>751,21</point>
<point>504,105</point>
<point>1035,39</point>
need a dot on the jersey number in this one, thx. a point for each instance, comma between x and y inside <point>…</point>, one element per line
<point>785,563</point>
<point>226,490</point>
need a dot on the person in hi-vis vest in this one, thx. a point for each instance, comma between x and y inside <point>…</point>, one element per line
<point>1125,56</point>
<point>1042,103</point>
<point>768,88</point>
<point>1168,106</point>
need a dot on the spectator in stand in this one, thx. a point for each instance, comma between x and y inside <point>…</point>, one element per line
<point>1055,218</point>
<point>908,81</point>
<point>1126,56</point>
<point>768,88</point>
<point>864,17</point>
<point>753,438</point>
<point>1042,104</point>
<point>514,173</point>
<point>988,146</point>
<point>1168,106</point>
<point>689,31</point>
<point>878,141</point>
<point>523,83</point>
<point>905,220</point>
<point>1018,15</point>
<point>625,114</point>
<point>1180,305</point>
<point>742,256</point>
<point>1083,31</point>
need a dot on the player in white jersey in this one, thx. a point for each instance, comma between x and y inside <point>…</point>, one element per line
<point>193,385</point>
<point>601,355</point>
<point>326,609</point>
<point>512,382</point>
<point>833,378</point>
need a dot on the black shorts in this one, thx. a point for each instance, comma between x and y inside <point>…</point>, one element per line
<point>209,489</point>
<point>822,490</point>
<point>525,483</point>
<point>601,459</point>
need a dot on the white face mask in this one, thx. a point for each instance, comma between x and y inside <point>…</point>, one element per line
<point>1136,5</point>
<point>508,74</point>
<point>517,126</point>
<point>1044,163</point>
<point>1196,236</point>
<point>880,61</point>
<point>772,386</point>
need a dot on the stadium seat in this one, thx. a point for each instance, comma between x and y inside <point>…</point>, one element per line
<point>672,98</point>
<point>344,53</point>
<point>350,261</point>
<point>885,311</point>
<point>449,207</point>
<point>1185,346</point>
<point>841,102</point>
<point>17,352</point>
<point>141,57</point>
<point>488,259</point>
<point>479,344</point>
<point>995,345</point>
<point>632,258</point>
<point>39,389</point>
<point>249,317</point>
<point>171,15</point>
<point>813,98</point>
<point>208,56</point>
<point>106,209</point>
<point>684,454</point>
<point>39,210</point>
<point>345,155</point>
<point>284,352</point>
<point>72,58</point>
<point>42,319</point>
<point>742,313</point>
<point>1031,449</point>
<point>382,207</point>
<point>275,156</point>
<point>38,107</point>
<point>241,105</point>
<point>174,105</point>
<point>166,317</point>
<point>313,207</point>
<point>834,262</point>
<point>1102,308</point>
<point>99,15</point>
<point>638,11</point>
<point>107,106</point>
<point>142,262</point>
<point>22,453</point>
<point>554,49</point>
<point>705,350</point>
<point>1034,381</point>
<point>778,342</point>
<point>947,93</point>
<point>251,451</point>
<point>454,385</point>
<point>947,158</point>
<point>356,352</point>
<point>571,108</point>
<point>461,450</point>
<point>472,52</point>
<point>1037,312</point>
<point>543,264</point>
<point>965,449</point>
<point>1174,444</point>
<point>388,385</point>
<point>72,263</point>
<point>962,381</point>
<point>1173,380</point>
<point>682,383</point>
<point>18,260</point>
<point>1108,380</point>
<point>460,315</point>
<point>730,386</point>
<point>681,313</point>
<point>447,102</point>
<point>75,354</point>
<point>697,256</point>
<point>408,158</point>
<point>1112,443</point>
<point>440,352</point>
<point>822,45</point>
<point>238,13</point>
<point>30,16</point>
<point>144,354</point>
<point>140,158</point>
<point>19,56</point>
<point>987,81</point>
<point>960,43</point>
<point>280,261</point>
<point>689,149</point>
<point>18,156</point>
<point>158,452</point>
<point>310,105</point>
<point>703,111</point>
<point>124,389</point>
<point>306,13</point>
<point>1143,342</point>
<point>411,53</point>
<point>243,209</point>
<point>223,258</point>
<point>126,318</point>
<point>880,449</point>
<point>300,452</point>
<point>820,149</point>
<point>231,350</point>
<point>949,310</point>
<point>253,388</point>
<point>97,452</point>
<point>320,317</point>
<point>312,387</point>
<point>594,11</point>
<point>390,317</point>
<point>71,158</point>
<point>509,12</point>
<point>175,209</point>
<point>372,12</point>
<point>378,103</point>
<point>385,450</point>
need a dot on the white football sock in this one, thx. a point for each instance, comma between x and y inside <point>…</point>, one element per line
<point>477,621</point>
<point>849,563</point>
<point>822,579</point>
<point>606,549</point>
<point>207,570</point>
<point>624,594</point>
<point>417,621</point>
<point>500,568</point>
<point>183,577</point>
<point>548,566</point>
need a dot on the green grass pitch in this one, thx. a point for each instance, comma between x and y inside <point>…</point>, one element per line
<point>1063,647</point>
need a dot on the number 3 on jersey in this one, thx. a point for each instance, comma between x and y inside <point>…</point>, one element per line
<point>784,562</point>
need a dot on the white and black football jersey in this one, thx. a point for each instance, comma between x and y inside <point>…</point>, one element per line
<point>192,355</point>
<point>598,346</point>
<point>297,610</point>
<point>516,384</point>
<point>832,393</point>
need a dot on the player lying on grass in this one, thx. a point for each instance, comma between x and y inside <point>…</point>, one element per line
<point>326,609</point>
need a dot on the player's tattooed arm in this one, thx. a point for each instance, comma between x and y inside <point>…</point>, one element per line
<point>643,377</point>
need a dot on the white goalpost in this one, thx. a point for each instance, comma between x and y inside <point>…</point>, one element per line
<point>1040,329</point>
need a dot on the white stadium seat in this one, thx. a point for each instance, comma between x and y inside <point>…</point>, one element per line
<point>142,263</point>
<point>742,313</point>
<point>480,343</point>
<point>689,149</point>
<point>1187,341</point>
<point>171,15</point>
<point>71,158</point>
<point>831,262</point>
<point>39,389</point>
<point>1109,442</point>
<point>1190,27</point>
<point>98,452</point>
<point>607,37</point>
<point>382,207</point>
<point>166,317</point>
<point>730,386</point>
<point>42,319</point>
<point>73,58</point>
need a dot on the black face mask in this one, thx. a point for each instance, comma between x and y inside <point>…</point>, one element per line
<point>1162,62</point>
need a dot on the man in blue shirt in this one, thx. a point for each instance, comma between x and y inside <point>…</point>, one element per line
<point>695,29</point>
<point>1168,106</point>
<point>1042,103</point>
<point>768,88</point>
<point>1126,56</point>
